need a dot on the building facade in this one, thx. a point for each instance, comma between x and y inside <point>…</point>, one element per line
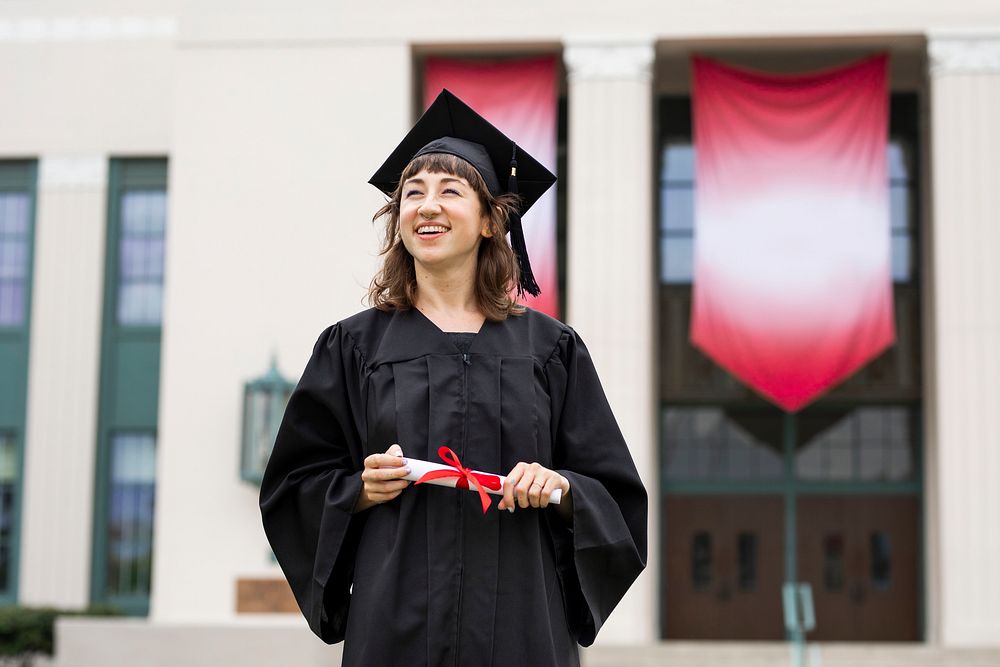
<point>183,196</point>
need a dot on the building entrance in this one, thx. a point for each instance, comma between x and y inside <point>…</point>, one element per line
<point>725,564</point>
<point>752,497</point>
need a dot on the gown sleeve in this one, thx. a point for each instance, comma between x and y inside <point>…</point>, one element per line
<point>603,549</point>
<point>312,481</point>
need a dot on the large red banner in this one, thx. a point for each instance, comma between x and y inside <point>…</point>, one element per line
<point>792,286</point>
<point>519,97</point>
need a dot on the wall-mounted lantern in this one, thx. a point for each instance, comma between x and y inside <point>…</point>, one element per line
<point>264,401</point>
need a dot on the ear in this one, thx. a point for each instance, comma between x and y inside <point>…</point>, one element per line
<point>487,229</point>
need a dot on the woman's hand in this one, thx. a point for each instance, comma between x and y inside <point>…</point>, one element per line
<point>382,478</point>
<point>530,485</point>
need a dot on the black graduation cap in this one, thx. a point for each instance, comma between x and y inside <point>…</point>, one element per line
<point>450,126</point>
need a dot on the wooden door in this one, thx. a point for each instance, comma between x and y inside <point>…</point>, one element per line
<point>859,553</point>
<point>723,567</point>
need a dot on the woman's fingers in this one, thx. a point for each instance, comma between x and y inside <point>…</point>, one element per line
<point>384,461</point>
<point>531,485</point>
<point>382,475</point>
<point>550,485</point>
<point>508,486</point>
<point>524,485</point>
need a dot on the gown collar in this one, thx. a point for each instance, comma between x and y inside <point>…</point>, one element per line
<point>410,335</point>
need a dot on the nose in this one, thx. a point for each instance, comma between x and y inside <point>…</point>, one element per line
<point>429,208</point>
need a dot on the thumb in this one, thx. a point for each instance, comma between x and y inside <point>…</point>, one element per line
<point>394,450</point>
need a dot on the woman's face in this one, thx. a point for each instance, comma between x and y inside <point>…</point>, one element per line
<point>440,220</point>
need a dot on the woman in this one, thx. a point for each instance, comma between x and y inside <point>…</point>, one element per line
<point>419,574</point>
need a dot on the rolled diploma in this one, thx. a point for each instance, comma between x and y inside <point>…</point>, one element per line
<point>420,468</point>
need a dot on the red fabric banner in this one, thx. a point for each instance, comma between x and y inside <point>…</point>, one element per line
<point>519,97</point>
<point>792,285</point>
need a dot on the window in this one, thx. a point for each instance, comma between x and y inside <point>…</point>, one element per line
<point>721,444</point>
<point>875,443</point>
<point>701,561</point>
<point>8,489</point>
<point>881,560</point>
<point>15,243</point>
<point>130,515</point>
<point>130,379</point>
<point>17,213</point>
<point>833,562</point>
<point>746,548</point>
<point>140,252</point>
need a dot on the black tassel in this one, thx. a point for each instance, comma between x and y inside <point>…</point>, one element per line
<point>527,283</point>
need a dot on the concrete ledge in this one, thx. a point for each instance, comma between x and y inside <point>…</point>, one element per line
<point>83,642</point>
<point>103,642</point>
<point>777,654</point>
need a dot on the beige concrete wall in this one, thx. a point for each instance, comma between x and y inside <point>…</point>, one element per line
<point>611,246</point>
<point>84,82</point>
<point>63,372</point>
<point>965,106</point>
<point>270,241</point>
<point>521,21</point>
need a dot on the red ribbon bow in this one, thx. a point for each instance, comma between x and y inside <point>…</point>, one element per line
<point>465,476</point>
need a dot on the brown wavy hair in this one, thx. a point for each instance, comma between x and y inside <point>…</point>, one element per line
<point>394,287</point>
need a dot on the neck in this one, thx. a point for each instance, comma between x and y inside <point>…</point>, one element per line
<point>447,290</point>
<point>445,295</point>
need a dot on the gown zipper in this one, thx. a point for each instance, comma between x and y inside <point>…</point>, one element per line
<point>466,362</point>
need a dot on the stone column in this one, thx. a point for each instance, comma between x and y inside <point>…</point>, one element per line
<point>63,382</point>
<point>963,386</point>
<point>611,281</point>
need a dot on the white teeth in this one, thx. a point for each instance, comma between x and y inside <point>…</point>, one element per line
<point>432,229</point>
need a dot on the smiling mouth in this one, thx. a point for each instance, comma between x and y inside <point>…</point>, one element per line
<point>431,231</point>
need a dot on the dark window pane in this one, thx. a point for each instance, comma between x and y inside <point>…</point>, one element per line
<point>140,257</point>
<point>677,209</point>
<point>11,303</point>
<point>899,207</point>
<point>902,261</point>
<point>677,257</point>
<point>897,161</point>
<point>869,443</point>
<point>13,258</point>
<point>678,162</point>
<point>881,561</point>
<point>144,212</point>
<point>8,481</point>
<point>140,304</point>
<point>827,448</point>
<point>701,561</point>
<point>833,562</point>
<point>130,520</point>
<point>716,444</point>
<point>747,550</point>
<point>13,214</point>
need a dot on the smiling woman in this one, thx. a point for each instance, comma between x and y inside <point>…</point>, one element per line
<point>445,190</point>
<point>425,575</point>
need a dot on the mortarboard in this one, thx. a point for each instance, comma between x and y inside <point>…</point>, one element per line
<point>450,126</point>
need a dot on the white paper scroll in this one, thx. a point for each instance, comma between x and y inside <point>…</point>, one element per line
<point>420,468</point>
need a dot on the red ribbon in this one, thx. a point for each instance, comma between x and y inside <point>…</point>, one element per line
<point>465,476</point>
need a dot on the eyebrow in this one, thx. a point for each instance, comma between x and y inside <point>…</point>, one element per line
<point>446,179</point>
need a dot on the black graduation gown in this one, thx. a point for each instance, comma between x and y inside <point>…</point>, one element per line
<point>428,579</point>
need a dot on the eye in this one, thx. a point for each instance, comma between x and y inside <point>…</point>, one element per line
<point>411,192</point>
<point>451,190</point>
